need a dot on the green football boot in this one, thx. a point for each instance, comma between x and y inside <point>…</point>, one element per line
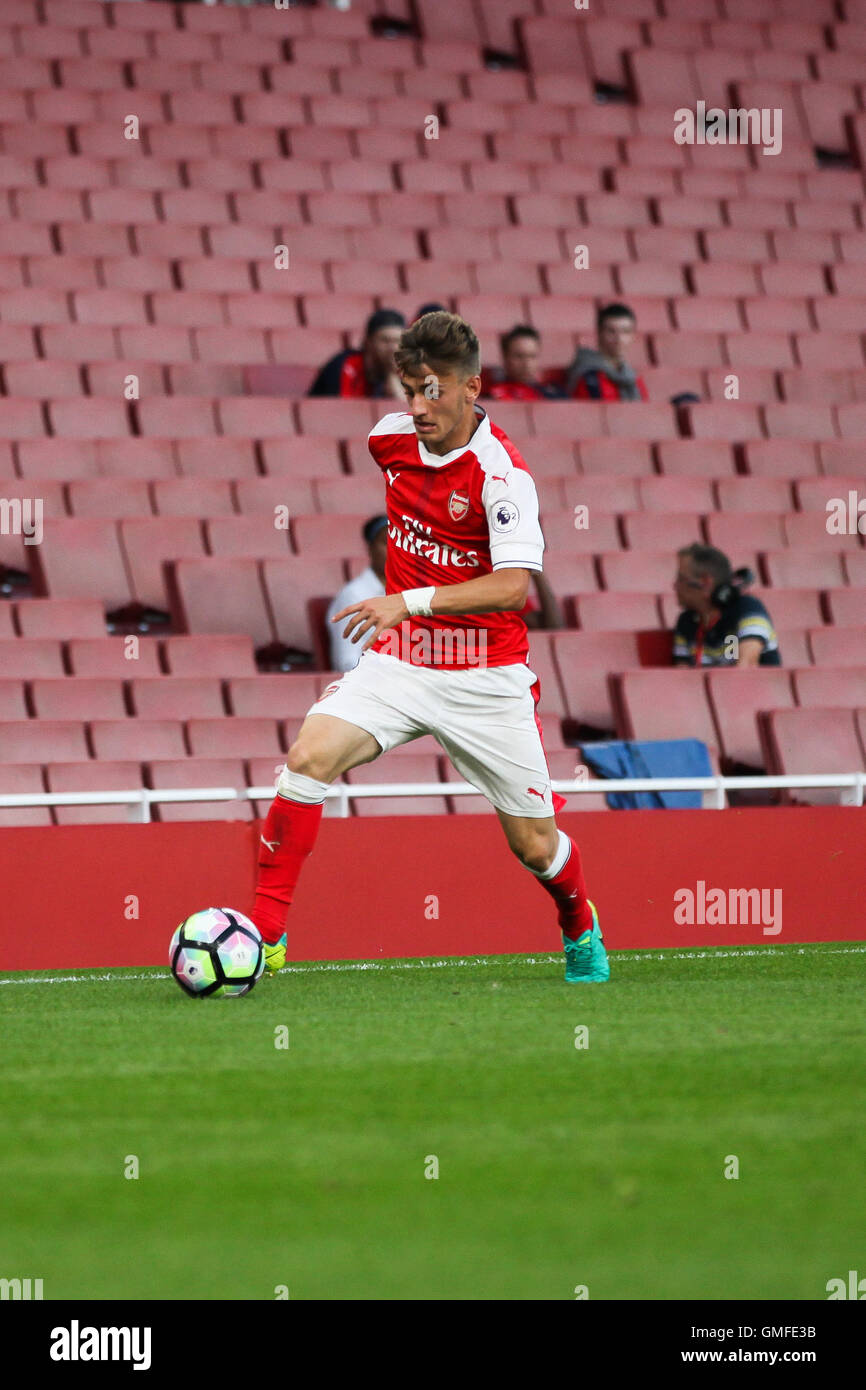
<point>275,955</point>
<point>586,959</point>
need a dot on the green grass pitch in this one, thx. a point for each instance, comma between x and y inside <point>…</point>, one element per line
<point>600,1166</point>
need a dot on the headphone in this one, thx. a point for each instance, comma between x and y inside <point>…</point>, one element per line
<point>729,589</point>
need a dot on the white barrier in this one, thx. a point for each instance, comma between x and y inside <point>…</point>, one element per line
<point>140,799</point>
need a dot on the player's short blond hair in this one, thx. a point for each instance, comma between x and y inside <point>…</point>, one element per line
<point>442,341</point>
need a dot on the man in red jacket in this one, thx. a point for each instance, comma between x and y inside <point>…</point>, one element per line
<point>519,381</point>
<point>605,374</point>
<point>368,370</point>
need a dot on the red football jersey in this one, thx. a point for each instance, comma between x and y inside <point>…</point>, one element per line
<point>453,518</point>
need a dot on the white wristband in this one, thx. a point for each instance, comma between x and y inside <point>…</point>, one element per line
<point>419,601</point>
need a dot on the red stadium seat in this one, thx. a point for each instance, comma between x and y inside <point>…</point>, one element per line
<point>126,497</point>
<point>809,531</point>
<point>676,494</point>
<point>835,457</point>
<point>183,416</point>
<point>233,738</point>
<point>562,533</point>
<point>215,595</point>
<point>845,606</point>
<point>93,776</point>
<point>775,458</point>
<point>80,698</point>
<point>275,696</point>
<point>693,458</point>
<point>814,741</point>
<point>254,537</point>
<point>215,458</point>
<point>423,767</point>
<point>792,608</point>
<point>42,740</point>
<point>801,421</point>
<point>194,772</point>
<point>727,420</point>
<point>659,704</point>
<point>753,495</point>
<point>639,571</point>
<point>585,660</point>
<point>59,618</point>
<point>118,657</point>
<point>130,739</point>
<point>839,646</point>
<point>83,559</point>
<point>327,536</point>
<point>738,532</point>
<point>221,656</point>
<point>797,569</point>
<point>13,704</point>
<point>616,612</point>
<point>257,496</point>
<point>830,687</point>
<point>22,779</point>
<point>646,530</point>
<point>341,419</point>
<point>736,698</point>
<point>602,492</point>
<point>571,574</point>
<point>193,497</point>
<point>177,697</point>
<point>148,543</point>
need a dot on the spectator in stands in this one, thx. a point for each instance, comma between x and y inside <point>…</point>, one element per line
<point>370,583</point>
<point>368,370</point>
<point>719,625</point>
<point>604,373</point>
<point>519,378</point>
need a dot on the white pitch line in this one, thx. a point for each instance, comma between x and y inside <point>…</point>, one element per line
<point>637,956</point>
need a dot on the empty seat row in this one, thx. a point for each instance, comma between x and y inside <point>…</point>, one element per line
<point>578,511</point>
<point>770,465</point>
<point>186,417</point>
<point>750,718</point>
<point>574,669</point>
<point>67,647</point>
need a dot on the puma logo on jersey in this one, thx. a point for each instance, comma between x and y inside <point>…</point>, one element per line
<point>392,478</point>
<point>272,845</point>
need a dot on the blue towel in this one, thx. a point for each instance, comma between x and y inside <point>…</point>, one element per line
<point>681,757</point>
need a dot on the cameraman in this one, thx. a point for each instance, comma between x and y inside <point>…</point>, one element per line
<point>720,625</point>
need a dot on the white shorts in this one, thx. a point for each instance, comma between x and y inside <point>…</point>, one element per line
<point>483,718</point>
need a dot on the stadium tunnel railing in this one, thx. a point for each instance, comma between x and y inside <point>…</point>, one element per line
<point>713,789</point>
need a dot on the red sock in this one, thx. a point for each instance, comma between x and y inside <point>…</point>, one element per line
<point>287,837</point>
<point>568,889</point>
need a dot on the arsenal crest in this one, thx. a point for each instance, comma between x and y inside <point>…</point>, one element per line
<point>458,506</point>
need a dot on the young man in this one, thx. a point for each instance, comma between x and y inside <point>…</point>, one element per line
<point>463,540</point>
<point>521,353</point>
<point>605,373</point>
<point>368,370</point>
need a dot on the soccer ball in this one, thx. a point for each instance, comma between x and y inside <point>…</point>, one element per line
<point>216,952</point>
